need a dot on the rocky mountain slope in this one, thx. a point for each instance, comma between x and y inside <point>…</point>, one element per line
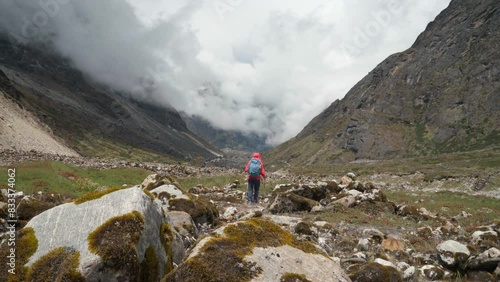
<point>440,95</point>
<point>92,118</point>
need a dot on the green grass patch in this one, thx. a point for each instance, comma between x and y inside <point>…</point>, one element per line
<point>373,216</point>
<point>64,178</point>
<point>476,163</point>
<point>219,180</point>
<point>484,210</point>
<point>96,146</point>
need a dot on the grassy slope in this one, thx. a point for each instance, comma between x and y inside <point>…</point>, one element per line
<point>63,178</point>
<point>56,176</point>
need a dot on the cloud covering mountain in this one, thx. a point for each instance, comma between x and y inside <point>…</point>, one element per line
<point>254,66</point>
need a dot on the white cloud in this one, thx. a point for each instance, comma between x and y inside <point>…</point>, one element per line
<point>266,66</point>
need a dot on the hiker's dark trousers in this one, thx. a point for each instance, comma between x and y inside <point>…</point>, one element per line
<point>253,190</point>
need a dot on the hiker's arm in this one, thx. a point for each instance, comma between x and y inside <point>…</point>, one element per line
<point>246,167</point>
<point>263,171</point>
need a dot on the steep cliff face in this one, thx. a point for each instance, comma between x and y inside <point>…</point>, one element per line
<point>92,118</point>
<point>440,95</point>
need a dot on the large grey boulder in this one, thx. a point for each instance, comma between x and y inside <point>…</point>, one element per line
<point>119,236</point>
<point>256,250</point>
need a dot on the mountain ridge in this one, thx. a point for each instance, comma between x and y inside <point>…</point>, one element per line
<point>90,117</point>
<point>439,96</point>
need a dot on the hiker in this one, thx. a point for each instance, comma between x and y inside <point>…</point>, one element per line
<point>255,169</point>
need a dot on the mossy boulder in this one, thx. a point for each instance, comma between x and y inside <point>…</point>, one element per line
<point>291,202</point>
<point>413,213</point>
<point>312,192</point>
<point>111,235</point>
<point>255,250</point>
<point>304,228</point>
<point>373,271</point>
<point>200,208</point>
<point>155,180</point>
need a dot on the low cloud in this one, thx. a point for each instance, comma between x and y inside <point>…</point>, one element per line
<point>260,67</point>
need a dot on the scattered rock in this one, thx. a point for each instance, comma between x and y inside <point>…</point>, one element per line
<point>453,254</point>
<point>392,244</point>
<point>432,272</point>
<point>347,202</point>
<point>230,212</point>
<point>346,181</point>
<point>479,236</point>
<point>488,260</point>
<point>153,181</point>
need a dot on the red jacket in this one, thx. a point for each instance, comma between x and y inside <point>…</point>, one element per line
<point>262,171</point>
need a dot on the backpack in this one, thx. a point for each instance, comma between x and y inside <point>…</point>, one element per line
<point>255,167</point>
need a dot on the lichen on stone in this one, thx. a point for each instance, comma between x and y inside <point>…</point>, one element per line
<point>115,242</point>
<point>60,264</point>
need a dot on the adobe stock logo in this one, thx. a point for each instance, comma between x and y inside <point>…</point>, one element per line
<point>32,24</point>
<point>374,27</point>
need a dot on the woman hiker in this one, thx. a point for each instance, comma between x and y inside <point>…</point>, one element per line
<point>255,169</point>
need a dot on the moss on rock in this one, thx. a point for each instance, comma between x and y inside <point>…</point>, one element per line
<point>303,228</point>
<point>115,242</point>
<point>150,195</point>
<point>294,277</point>
<point>222,258</point>
<point>149,266</point>
<point>96,194</point>
<point>26,246</point>
<point>376,272</point>
<point>167,237</point>
<point>60,264</point>
<point>201,210</point>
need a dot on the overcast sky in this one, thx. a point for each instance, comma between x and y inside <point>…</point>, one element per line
<point>262,66</point>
